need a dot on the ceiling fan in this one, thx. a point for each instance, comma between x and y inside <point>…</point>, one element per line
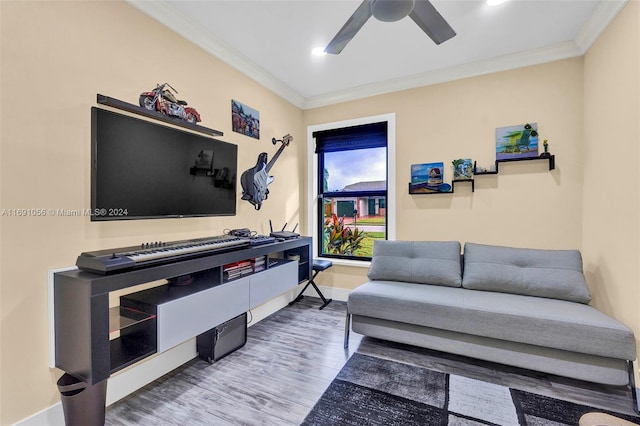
<point>421,11</point>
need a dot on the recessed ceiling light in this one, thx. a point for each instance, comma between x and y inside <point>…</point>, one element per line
<point>495,2</point>
<point>318,51</point>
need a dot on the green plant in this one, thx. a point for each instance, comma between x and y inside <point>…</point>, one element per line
<point>341,239</point>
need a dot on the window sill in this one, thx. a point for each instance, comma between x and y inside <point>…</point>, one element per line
<point>347,262</point>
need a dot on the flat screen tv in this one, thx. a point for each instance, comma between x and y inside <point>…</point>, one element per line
<point>144,170</point>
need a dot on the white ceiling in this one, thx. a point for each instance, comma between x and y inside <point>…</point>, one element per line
<point>271,41</point>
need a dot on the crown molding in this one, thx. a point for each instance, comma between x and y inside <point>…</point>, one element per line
<point>501,63</point>
<point>162,12</point>
<point>174,20</point>
<point>604,14</point>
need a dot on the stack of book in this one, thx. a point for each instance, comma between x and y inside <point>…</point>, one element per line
<point>259,263</point>
<point>235,270</point>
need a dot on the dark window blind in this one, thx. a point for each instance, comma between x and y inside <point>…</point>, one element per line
<point>348,138</point>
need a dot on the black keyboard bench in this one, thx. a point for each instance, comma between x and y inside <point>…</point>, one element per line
<point>319,265</point>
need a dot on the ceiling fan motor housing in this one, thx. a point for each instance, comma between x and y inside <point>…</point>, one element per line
<point>421,12</point>
<point>391,10</point>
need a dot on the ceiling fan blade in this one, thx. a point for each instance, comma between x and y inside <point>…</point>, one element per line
<point>431,22</point>
<point>350,28</point>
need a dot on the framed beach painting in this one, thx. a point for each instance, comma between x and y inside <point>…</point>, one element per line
<point>519,141</point>
<point>427,177</point>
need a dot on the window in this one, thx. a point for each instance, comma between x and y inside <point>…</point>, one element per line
<point>351,186</point>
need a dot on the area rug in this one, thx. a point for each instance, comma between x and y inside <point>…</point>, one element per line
<point>375,391</point>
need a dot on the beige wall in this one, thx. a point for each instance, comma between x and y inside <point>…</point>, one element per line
<point>525,205</point>
<point>55,57</point>
<point>611,232</point>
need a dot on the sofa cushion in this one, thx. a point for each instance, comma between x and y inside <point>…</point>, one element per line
<point>425,262</point>
<point>532,320</point>
<point>553,274</point>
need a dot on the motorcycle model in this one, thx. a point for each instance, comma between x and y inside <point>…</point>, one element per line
<point>161,99</point>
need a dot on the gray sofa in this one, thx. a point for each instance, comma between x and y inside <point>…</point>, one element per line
<point>526,308</point>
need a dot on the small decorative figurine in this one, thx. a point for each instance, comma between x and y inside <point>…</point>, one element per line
<point>161,99</point>
<point>545,144</point>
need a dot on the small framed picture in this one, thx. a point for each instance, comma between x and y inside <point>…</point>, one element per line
<point>245,119</point>
<point>426,178</point>
<point>519,141</point>
<point>463,168</point>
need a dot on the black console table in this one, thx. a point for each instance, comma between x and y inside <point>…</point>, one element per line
<point>93,341</point>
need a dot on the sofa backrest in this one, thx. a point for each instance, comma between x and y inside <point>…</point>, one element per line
<point>555,274</point>
<point>424,262</point>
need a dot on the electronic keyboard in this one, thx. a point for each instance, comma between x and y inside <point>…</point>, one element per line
<point>150,254</point>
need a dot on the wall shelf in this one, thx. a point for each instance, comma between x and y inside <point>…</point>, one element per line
<point>550,158</point>
<point>125,106</point>
<point>417,190</point>
<point>422,189</point>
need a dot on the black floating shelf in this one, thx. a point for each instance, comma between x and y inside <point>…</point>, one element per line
<point>422,189</point>
<point>550,158</point>
<point>485,173</point>
<point>125,106</point>
<point>414,190</point>
<point>473,184</point>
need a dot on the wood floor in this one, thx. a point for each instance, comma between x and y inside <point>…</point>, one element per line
<point>289,360</point>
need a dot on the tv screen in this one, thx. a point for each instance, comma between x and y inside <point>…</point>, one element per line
<point>144,170</point>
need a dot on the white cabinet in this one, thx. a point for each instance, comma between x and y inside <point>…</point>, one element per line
<point>181,319</point>
<point>183,312</point>
<point>272,282</point>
